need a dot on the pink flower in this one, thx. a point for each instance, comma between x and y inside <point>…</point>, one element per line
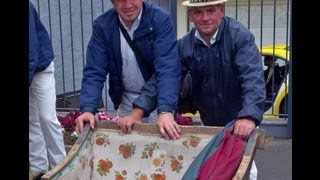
<point>103,115</point>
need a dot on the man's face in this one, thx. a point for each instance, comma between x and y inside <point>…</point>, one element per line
<point>206,19</point>
<point>128,10</point>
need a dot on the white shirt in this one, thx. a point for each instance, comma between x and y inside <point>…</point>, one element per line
<point>212,40</point>
<point>131,74</point>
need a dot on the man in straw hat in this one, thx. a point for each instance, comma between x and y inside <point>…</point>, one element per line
<point>225,65</point>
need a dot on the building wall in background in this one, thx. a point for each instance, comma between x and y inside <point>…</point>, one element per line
<point>268,20</point>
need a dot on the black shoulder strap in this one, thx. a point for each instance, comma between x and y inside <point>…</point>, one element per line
<point>186,45</point>
<point>134,48</point>
<point>188,48</point>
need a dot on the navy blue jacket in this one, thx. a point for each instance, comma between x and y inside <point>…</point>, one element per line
<point>228,80</point>
<point>156,39</point>
<point>40,45</point>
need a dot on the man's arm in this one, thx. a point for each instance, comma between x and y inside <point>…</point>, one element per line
<point>33,42</point>
<point>167,65</point>
<point>143,105</point>
<point>147,100</point>
<point>168,75</point>
<point>94,76</point>
<point>248,63</point>
<point>95,71</point>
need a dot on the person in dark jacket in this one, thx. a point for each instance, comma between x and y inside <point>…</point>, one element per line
<point>108,53</point>
<point>273,76</point>
<point>225,66</point>
<point>46,144</point>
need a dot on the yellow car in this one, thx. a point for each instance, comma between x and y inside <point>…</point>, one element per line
<point>277,80</point>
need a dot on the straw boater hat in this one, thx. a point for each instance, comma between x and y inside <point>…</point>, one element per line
<point>195,3</point>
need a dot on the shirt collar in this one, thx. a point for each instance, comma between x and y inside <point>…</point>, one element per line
<point>212,40</point>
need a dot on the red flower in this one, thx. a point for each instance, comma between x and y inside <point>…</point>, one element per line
<point>68,121</point>
<point>184,120</point>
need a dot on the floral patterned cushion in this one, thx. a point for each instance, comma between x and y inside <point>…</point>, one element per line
<point>107,153</point>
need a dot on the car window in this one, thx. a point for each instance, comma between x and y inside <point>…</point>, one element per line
<point>276,83</point>
<point>273,76</point>
<point>281,62</point>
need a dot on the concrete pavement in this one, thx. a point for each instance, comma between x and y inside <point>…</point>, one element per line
<point>274,161</point>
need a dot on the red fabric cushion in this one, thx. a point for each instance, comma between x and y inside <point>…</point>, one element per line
<point>224,162</point>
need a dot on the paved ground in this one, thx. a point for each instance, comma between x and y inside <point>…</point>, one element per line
<point>274,161</point>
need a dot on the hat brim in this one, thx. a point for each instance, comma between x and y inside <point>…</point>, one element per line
<point>199,4</point>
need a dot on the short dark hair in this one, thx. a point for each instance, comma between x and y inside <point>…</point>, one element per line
<point>268,57</point>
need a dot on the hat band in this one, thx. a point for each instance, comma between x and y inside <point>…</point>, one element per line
<point>197,1</point>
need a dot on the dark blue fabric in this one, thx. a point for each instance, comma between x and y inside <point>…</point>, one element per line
<point>156,39</point>
<point>40,46</point>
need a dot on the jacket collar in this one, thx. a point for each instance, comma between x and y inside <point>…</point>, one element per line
<point>221,27</point>
<point>145,25</point>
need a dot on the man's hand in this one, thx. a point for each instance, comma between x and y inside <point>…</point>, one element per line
<point>243,128</point>
<point>168,126</point>
<point>125,123</point>
<point>85,117</point>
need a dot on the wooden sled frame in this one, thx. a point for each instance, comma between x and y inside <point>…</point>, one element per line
<point>255,141</point>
